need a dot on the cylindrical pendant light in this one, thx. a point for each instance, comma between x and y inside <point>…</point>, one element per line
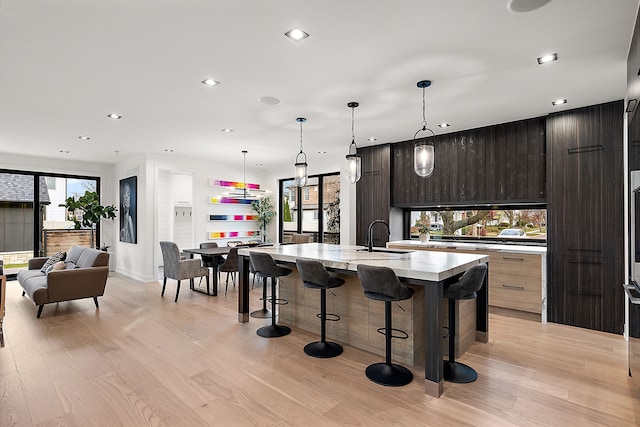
<point>423,151</point>
<point>301,160</point>
<point>354,160</point>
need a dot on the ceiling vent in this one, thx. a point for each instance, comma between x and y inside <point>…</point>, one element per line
<point>521,6</point>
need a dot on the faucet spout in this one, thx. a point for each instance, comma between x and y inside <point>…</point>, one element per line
<point>370,231</point>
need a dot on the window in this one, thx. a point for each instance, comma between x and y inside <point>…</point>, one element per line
<point>525,226</point>
<point>51,182</point>
<point>319,212</point>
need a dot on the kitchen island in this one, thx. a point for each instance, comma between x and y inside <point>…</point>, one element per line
<point>430,270</point>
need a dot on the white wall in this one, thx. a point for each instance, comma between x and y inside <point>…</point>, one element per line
<point>140,261</point>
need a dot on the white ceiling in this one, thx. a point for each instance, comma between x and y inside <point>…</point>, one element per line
<point>66,64</point>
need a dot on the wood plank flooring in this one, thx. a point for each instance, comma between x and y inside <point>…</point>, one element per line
<point>143,360</point>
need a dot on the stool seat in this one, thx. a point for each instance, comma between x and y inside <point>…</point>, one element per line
<point>265,268</point>
<point>315,276</point>
<point>466,288</point>
<point>382,284</point>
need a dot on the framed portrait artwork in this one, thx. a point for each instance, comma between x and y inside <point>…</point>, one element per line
<point>129,210</point>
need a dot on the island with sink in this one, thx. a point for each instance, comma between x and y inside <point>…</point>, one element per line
<point>422,317</point>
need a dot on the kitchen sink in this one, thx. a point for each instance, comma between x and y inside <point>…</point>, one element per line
<point>387,251</point>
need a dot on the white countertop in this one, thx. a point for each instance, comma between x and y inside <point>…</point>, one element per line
<point>470,246</point>
<point>420,265</point>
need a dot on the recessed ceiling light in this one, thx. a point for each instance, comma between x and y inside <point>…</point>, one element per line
<point>210,82</point>
<point>64,151</point>
<point>372,139</point>
<point>444,125</point>
<point>296,34</point>
<point>226,130</point>
<point>545,59</point>
<point>84,138</point>
<point>269,100</point>
<point>258,164</point>
<point>559,102</point>
<point>114,116</point>
<point>168,150</point>
<point>322,152</point>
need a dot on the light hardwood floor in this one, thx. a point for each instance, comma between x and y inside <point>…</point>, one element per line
<point>144,360</point>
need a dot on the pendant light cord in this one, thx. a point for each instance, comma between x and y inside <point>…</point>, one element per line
<point>424,110</point>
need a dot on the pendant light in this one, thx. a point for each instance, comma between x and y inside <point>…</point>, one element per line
<point>354,160</point>
<point>423,151</point>
<point>301,166</point>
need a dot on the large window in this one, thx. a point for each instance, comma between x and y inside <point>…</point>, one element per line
<point>525,226</point>
<point>318,212</point>
<point>31,221</point>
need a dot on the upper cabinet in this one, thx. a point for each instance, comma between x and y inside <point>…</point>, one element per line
<point>372,197</point>
<point>182,189</point>
<point>492,165</point>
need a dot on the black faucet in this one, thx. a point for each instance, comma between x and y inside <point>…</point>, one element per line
<point>377,221</point>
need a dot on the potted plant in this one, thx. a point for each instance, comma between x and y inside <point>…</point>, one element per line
<point>264,208</point>
<point>86,211</point>
<point>423,230</point>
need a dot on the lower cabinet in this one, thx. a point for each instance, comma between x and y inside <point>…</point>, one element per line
<point>517,281</point>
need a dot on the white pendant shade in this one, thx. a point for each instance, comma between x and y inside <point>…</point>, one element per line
<point>423,159</point>
<point>301,174</point>
<point>354,168</point>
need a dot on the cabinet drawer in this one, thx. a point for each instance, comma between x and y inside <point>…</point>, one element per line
<point>515,281</point>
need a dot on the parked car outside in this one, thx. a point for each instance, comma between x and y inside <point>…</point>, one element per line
<point>512,232</point>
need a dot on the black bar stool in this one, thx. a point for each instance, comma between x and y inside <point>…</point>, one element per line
<point>266,267</point>
<point>466,288</point>
<point>315,276</point>
<point>382,284</point>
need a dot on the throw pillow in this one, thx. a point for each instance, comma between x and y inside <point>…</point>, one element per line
<point>57,266</point>
<point>58,256</point>
<point>68,265</point>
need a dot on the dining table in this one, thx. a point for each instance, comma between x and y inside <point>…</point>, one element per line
<point>217,254</point>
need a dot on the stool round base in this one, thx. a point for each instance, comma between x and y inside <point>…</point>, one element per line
<point>273,331</point>
<point>323,349</point>
<point>392,375</point>
<point>261,314</point>
<point>460,373</point>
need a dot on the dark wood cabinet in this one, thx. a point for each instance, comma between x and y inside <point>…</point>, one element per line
<point>500,164</point>
<point>585,217</point>
<point>373,197</point>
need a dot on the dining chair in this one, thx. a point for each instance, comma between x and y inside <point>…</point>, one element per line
<point>230,266</point>
<point>301,238</point>
<point>179,269</point>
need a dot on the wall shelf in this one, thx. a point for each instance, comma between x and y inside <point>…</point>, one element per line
<point>233,218</point>
<point>231,234</point>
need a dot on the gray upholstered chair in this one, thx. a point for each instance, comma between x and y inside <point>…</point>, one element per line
<point>301,238</point>
<point>266,268</point>
<point>466,288</point>
<point>315,276</point>
<point>382,284</point>
<point>178,269</point>
<point>230,265</point>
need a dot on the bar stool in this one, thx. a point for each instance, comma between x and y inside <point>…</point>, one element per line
<point>315,276</point>
<point>466,288</point>
<point>266,267</point>
<point>382,284</point>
